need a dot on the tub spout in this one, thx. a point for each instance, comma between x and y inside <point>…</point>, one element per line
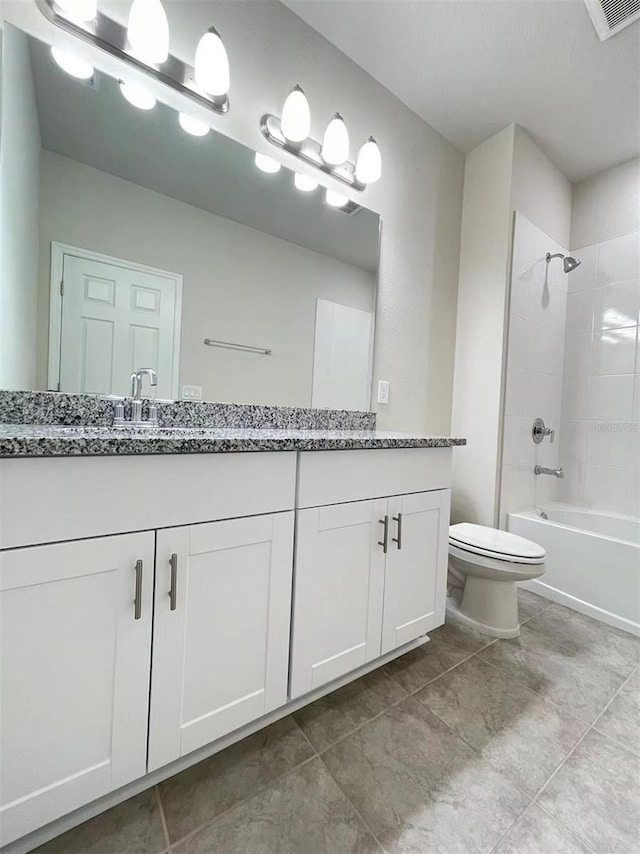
<point>555,472</point>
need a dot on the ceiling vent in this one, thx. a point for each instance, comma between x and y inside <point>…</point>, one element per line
<point>611,16</point>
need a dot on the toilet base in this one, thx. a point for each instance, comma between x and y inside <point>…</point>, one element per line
<point>489,606</point>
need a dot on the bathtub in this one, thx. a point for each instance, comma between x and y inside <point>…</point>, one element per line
<point>593,561</point>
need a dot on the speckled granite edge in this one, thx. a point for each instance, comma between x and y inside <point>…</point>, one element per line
<point>39,441</point>
<point>47,407</point>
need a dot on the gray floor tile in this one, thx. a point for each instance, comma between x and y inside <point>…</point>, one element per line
<point>134,826</point>
<point>622,719</point>
<point>538,833</point>
<point>340,712</point>
<point>578,684</point>
<point>448,645</point>
<point>530,604</point>
<point>596,794</point>
<point>304,812</point>
<point>205,790</point>
<point>420,788</point>
<point>516,730</point>
<point>589,638</point>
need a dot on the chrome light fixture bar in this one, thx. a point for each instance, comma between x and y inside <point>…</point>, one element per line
<point>310,151</point>
<point>110,36</point>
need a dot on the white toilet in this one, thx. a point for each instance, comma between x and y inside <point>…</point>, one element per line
<point>488,563</point>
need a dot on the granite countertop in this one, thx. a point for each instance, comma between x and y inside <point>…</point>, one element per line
<point>34,440</point>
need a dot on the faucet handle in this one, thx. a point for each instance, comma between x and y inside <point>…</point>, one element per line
<point>552,435</point>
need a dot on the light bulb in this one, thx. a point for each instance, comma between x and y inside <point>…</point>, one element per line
<point>336,200</point>
<point>296,116</point>
<point>79,10</point>
<point>137,95</point>
<point>148,31</point>
<point>193,126</point>
<point>335,142</point>
<point>369,162</point>
<point>212,64</point>
<point>304,182</point>
<point>73,65</point>
<point>267,164</point>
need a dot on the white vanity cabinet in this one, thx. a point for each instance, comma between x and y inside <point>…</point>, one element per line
<point>221,630</point>
<point>75,655</point>
<point>157,618</point>
<point>370,573</point>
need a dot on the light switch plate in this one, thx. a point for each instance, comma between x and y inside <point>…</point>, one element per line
<point>383,391</point>
<point>192,392</point>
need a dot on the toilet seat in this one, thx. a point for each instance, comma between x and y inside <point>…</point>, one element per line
<point>494,544</point>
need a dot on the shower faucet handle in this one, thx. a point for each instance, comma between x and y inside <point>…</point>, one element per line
<point>540,430</point>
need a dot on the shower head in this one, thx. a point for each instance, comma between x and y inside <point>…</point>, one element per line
<point>569,263</point>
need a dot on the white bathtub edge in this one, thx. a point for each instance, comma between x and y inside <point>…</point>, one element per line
<point>555,595</point>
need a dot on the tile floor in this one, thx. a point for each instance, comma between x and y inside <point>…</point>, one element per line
<point>528,746</point>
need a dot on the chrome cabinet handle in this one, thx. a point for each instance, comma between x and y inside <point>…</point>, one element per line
<point>398,540</point>
<point>385,539</point>
<point>173,590</point>
<point>137,602</point>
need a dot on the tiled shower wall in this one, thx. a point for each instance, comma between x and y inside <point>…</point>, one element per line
<point>535,351</point>
<point>600,445</point>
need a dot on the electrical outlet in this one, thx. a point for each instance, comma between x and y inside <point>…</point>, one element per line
<point>383,391</point>
<point>192,392</point>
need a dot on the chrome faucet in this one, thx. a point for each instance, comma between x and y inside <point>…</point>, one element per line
<point>136,394</point>
<point>540,430</point>
<point>555,472</point>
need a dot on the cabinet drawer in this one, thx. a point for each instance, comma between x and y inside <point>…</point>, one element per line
<point>62,498</point>
<point>333,477</point>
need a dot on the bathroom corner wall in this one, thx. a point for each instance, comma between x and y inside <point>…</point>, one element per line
<point>508,172</point>
<point>480,330</point>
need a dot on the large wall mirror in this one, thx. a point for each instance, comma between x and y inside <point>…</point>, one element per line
<point>128,242</point>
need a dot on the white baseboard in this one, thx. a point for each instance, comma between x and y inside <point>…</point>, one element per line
<point>555,595</point>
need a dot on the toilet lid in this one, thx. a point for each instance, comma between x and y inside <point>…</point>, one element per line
<point>490,541</point>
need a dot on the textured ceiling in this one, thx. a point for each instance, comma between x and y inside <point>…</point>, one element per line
<point>471,67</point>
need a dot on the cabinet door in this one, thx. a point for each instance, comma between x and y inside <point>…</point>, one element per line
<point>75,646</point>
<point>221,630</point>
<point>416,569</point>
<point>339,584</point>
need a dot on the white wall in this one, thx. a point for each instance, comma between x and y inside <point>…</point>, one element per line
<point>484,251</point>
<point>606,205</point>
<point>600,447</point>
<point>539,190</point>
<point>535,353</point>
<point>19,167</point>
<point>508,172</point>
<point>239,284</point>
<point>418,197</point>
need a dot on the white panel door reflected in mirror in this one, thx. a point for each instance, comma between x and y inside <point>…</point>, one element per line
<point>83,167</point>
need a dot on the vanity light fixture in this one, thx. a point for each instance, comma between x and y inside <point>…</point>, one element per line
<point>79,10</point>
<point>72,64</point>
<point>291,133</point>
<point>296,116</point>
<point>336,200</point>
<point>212,65</point>
<point>304,182</point>
<point>137,95</point>
<point>335,142</point>
<point>369,162</point>
<point>267,164</point>
<point>144,44</point>
<point>148,31</point>
<point>193,126</point>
